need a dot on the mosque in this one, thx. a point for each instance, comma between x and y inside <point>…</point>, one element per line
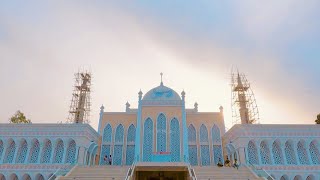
<point>161,139</point>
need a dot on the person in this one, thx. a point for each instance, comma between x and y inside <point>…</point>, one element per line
<point>219,163</point>
<point>236,164</point>
<point>110,160</point>
<point>227,162</point>
<point>105,158</point>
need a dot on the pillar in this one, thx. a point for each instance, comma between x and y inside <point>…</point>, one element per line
<point>137,150</point>
<point>295,150</point>
<point>242,155</point>
<point>81,155</point>
<point>185,153</point>
<point>5,146</point>
<point>16,151</point>
<point>258,149</point>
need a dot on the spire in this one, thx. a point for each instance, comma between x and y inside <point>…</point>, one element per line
<point>161,74</point>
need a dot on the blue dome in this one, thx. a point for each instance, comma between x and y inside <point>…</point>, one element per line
<point>161,93</point>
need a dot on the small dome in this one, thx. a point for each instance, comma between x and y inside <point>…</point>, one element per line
<point>161,93</point>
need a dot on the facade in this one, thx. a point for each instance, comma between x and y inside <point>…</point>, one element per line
<point>161,129</point>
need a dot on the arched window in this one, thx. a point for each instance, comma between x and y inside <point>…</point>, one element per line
<point>10,152</point>
<point>193,155</point>
<point>311,177</point>
<point>314,152</point>
<point>39,177</point>
<point>106,144</point>
<point>284,177</point>
<point>25,177</point>
<point>22,152</point>
<point>59,150</point>
<point>252,153</point>
<point>35,150</point>
<point>265,153</point>
<point>216,144</point>
<point>302,153</point>
<point>46,154</point>
<point>277,153</point>
<point>118,145</point>
<point>13,177</point>
<point>289,152</point>
<point>297,177</point>
<point>71,152</point>
<point>147,140</point>
<point>130,144</point>
<point>175,140</point>
<point>204,146</point>
<point>161,133</point>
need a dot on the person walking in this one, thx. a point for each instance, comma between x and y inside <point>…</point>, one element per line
<point>110,160</point>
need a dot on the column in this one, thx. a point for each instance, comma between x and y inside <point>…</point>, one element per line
<point>77,154</point>
<point>40,150</point>
<point>307,145</point>
<point>242,155</point>
<point>185,153</point>
<point>16,151</point>
<point>81,155</point>
<point>137,149</point>
<point>258,149</point>
<point>53,150</point>
<point>65,148</point>
<point>283,152</point>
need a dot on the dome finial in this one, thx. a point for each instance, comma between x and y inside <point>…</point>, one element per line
<point>161,74</point>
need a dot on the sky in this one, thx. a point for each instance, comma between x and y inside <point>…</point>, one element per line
<point>126,44</point>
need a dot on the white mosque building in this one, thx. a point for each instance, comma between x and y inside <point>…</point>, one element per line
<point>160,139</point>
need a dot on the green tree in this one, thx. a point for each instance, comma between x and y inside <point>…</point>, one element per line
<point>318,119</point>
<point>19,118</point>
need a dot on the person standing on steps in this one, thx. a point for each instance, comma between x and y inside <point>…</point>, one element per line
<point>236,164</point>
<point>220,163</point>
<point>106,160</point>
<point>110,160</point>
<point>227,162</point>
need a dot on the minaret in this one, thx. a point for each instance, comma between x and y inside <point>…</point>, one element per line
<point>80,103</point>
<point>241,89</point>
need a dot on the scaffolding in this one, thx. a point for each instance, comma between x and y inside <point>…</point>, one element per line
<point>243,102</point>
<point>80,103</point>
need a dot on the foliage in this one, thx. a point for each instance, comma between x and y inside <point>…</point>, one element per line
<point>19,118</point>
<point>318,119</point>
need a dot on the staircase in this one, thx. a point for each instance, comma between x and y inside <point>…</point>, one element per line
<point>97,173</point>
<point>229,173</point>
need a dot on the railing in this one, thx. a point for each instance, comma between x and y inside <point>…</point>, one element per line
<point>259,171</point>
<point>130,171</point>
<point>61,171</point>
<point>191,172</point>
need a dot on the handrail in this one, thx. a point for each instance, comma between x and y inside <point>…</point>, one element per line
<point>130,171</point>
<point>60,170</point>
<point>191,172</point>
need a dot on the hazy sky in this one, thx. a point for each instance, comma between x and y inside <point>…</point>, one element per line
<point>126,44</point>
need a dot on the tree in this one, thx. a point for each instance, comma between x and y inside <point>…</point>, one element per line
<point>19,118</point>
<point>318,119</point>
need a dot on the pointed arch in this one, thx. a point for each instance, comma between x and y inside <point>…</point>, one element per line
<point>147,139</point>
<point>311,177</point>
<point>204,146</point>
<point>265,152</point>
<point>277,153</point>
<point>13,176</point>
<point>118,145</point>
<point>2,177</point>
<point>302,152</point>
<point>289,152</point>
<point>130,144</point>
<point>25,177</point>
<point>39,177</point>
<point>175,140</point>
<point>34,151</point>
<point>216,144</point>
<point>297,177</point>
<point>161,133</point>
<point>59,151</point>
<point>11,149</point>
<point>192,147</point>
<point>46,152</point>
<point>22,151</point>
<point>252,153</point>
<point>71,152</point>
<point>314,152</point>
<point>284,177</point>
<point>106,143</point>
